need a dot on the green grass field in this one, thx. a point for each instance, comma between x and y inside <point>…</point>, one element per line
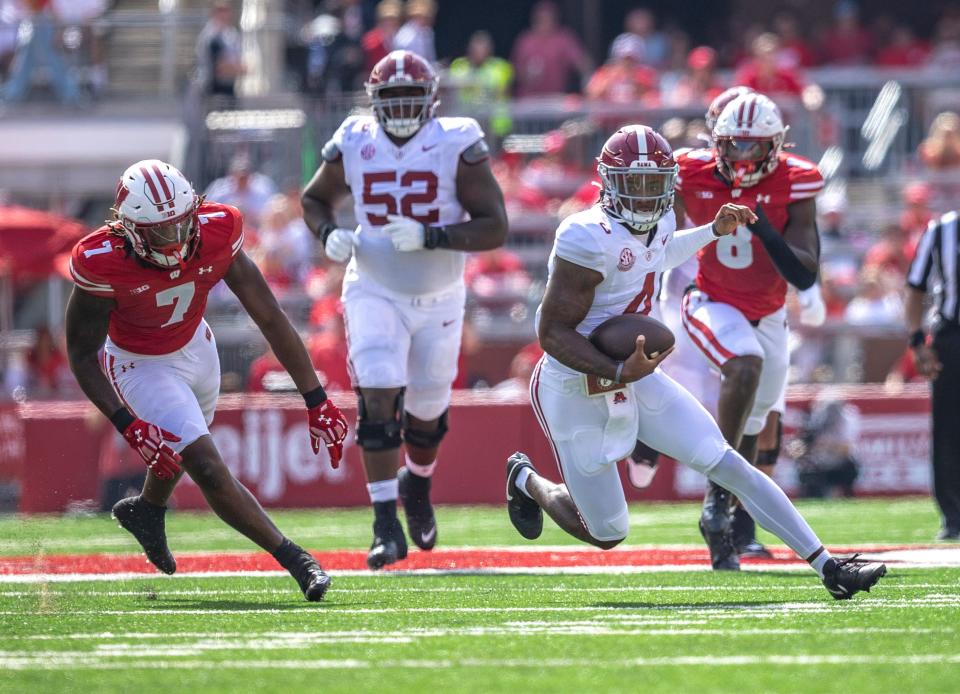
<point>770,630</point>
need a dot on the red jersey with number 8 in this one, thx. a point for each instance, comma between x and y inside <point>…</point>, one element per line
<point>737,269</point>
<point>157,310</point>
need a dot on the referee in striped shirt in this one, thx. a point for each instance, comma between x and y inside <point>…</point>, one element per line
<point>938,359</point>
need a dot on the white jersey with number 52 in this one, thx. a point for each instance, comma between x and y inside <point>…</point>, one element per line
<point>417,180</point>
<point>632,271</point>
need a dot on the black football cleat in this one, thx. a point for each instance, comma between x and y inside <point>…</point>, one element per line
<point>312,579</point>
<point>145,522</point>
<point>525,513</point>
<point>414,493</point>
<point>716,526</point>
<point>389,544</point>
<point>745,536</point>
<point>844,578</point>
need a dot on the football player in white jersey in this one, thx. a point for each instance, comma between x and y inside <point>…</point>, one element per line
<point>607,261</point>
<point>423,194</point>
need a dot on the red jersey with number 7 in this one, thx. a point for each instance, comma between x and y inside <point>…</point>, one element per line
<point>737,269</point>
<point>157,310</point>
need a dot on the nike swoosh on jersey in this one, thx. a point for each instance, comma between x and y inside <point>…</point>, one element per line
<point>427,148</point>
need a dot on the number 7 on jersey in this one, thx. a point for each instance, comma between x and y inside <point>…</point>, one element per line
<point>180,296</point>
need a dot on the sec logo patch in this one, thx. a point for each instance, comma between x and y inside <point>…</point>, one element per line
<point>627,259</point>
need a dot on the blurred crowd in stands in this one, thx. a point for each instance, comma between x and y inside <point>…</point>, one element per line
<point>544,177</point>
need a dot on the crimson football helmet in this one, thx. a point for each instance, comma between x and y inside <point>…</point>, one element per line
<point>156,209</point>
<point>748,138</point>
<point>637,171</point>
<point>403,91</point>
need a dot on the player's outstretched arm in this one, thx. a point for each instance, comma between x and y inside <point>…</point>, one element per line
<point>326,423</point>
<point>795,254</point>
<point>244,279</point>
<point>88,318</point>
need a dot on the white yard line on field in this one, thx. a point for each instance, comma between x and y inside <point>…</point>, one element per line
<point>57,660</point>
<point>746,610</point>
<point>154,591</point>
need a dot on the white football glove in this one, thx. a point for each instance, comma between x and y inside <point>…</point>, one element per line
<point>407,234</point>
<point>339,245</point>
<point>812,309</point>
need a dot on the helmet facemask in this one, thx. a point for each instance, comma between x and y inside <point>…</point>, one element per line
<point>403,108</point>
<point>638,196</point>
<point>745,160</point>
<point>164,244</point>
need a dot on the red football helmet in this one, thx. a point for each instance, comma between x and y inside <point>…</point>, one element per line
<point>748,138</point>
<point>721,100</point>
<point>638,173</point>
<point>403,90</point>
<point>156,209</point>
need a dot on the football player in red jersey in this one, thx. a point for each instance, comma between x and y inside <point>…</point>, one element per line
<point>141,287</point>
<point>736,314</point>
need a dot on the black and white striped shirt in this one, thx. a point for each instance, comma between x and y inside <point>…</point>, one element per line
<point>936,266</point>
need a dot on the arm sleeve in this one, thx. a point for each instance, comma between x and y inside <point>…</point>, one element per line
<point>86,277</point>
<point>576,244</point>
<point>919,275</point>
<point>685,243</point>
<point>783,257</point>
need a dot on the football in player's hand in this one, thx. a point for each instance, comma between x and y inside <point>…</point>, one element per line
<point>617,337</point>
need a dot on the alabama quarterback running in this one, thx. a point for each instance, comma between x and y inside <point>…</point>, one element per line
<point>141,287</point>
<point>735,314</point>
<point>423,193</point>
<point>607,261</point>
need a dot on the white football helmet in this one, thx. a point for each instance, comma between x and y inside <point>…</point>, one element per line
<point>748,137</point>
<point>156,209</point>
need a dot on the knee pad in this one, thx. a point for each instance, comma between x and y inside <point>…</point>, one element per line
<point>425,439</point>
<point>612,529</point>
<point>374,435</point>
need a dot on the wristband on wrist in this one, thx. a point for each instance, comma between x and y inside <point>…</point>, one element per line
<point>324,231</point>
<point>435,237</point>
<point>122,419</point>
<point>917,338</point>
<point>616,378</point>
<point>315,397</point>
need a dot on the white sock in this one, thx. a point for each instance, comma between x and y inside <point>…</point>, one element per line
<point>820,561</point>
<point>767,503</point>
<point>419,470</point>
<point>384,490</point>
<point>522,478</point>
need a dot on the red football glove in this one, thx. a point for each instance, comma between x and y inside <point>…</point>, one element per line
<point>149,441</point>
<point>327,425</point>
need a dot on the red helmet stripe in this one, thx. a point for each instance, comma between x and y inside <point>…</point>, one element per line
<point>153,188</point>
<point>743,105</point>
<point>753,108</point>
<point>163,184</point>
<point>122,193</point>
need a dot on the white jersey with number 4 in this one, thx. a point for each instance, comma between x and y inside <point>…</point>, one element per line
<point>417,180</point>
<point>631,270</point>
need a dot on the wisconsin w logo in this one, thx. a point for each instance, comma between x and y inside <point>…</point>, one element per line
<point>158,188</point>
